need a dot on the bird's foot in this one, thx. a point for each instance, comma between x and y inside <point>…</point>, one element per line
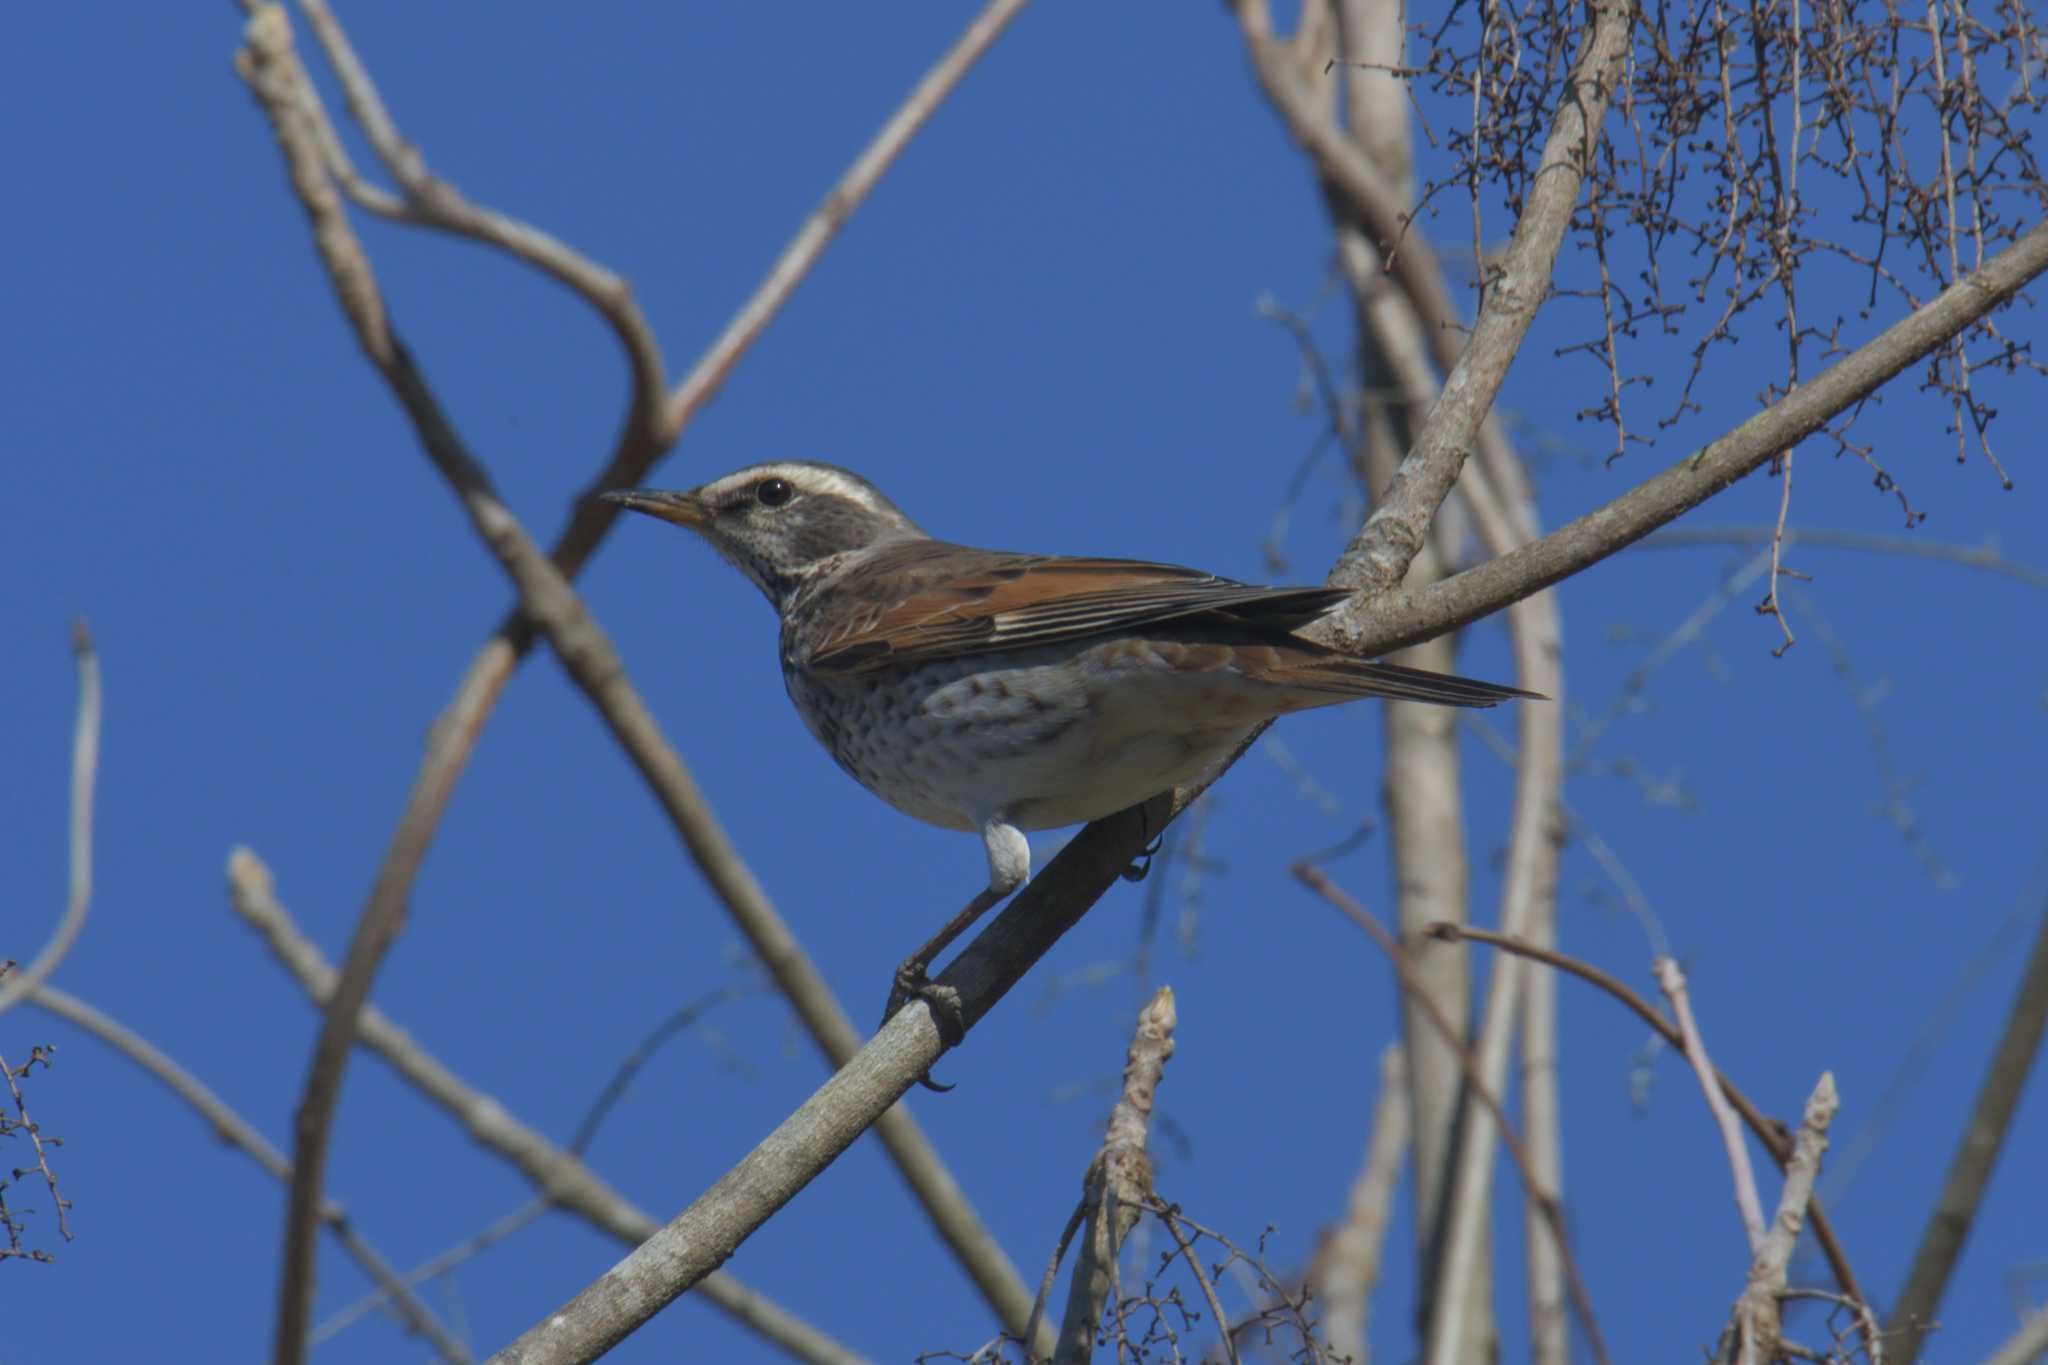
<point>912,983</point>
<point>1142,864</point>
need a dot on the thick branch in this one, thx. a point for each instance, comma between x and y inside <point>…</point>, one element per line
<point>711,1229</point>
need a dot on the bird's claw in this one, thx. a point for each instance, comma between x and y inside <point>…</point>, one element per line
<point>912,983</point>
<point>1142,864</point>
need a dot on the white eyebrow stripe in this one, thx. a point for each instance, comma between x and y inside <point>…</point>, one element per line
<point>808,477</point>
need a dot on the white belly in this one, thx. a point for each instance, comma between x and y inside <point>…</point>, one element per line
<point>1053,738</point>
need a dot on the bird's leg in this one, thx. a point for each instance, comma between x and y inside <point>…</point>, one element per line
<point>1009,862</point>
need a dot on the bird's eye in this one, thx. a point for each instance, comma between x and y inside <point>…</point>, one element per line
<point>773,492</point>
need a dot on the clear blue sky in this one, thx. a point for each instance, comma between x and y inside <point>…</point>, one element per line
<point>1039,334</point>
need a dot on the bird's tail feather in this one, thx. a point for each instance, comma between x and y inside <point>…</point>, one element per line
<point>1363,678</point>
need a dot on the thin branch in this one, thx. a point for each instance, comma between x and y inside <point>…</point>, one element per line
<point>1767,1130</point>
<point>1228,1338</point>
<point>1539,1197</point>
<point>340,1320</point>
<point>1381,553</point>
<point>85,763</point>
<point>840,202</point>
<point>1987,557</point>
<point>1497,492</point>
<point>40,1143</point>
<point>561,1176</point>
<point>430,201</point>
<point>1052,1267</point>
<point>1373,199</point>
<point>1976,1155</point>
<point>231,1128</point>
<point>1694,1045</point>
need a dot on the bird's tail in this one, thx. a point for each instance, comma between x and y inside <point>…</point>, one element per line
<point>1366,678</point>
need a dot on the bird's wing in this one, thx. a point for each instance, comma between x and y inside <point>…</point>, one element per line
<point>1010,601</point>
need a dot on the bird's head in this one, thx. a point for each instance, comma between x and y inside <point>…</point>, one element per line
<point>783,522</point>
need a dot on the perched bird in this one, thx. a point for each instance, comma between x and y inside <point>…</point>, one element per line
<point>997,692</point>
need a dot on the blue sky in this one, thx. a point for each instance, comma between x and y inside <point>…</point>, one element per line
<point>1040,334</point>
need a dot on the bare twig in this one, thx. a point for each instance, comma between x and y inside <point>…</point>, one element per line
<point>1987,557</point>
<point>1540,1198</point>
<point>1052,1266</point>
<point>430,201</point>
<point>85,762</point>
<point>340,1320</point>
<point>1118,1186</point>
<point>1227,1338</point>
<point>1376,201</point>
<point>1756,1327</point>
<point>1395,351</point>
<point>1694,1045</point>
<point>1768,1131</point>
<point>710,373</point>
<point>231,1128</point>
<point>39,1142</point>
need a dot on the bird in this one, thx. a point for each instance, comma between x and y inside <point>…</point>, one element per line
<point>999,692</point>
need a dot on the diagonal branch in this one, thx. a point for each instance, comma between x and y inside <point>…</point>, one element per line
<point>705,1234</point>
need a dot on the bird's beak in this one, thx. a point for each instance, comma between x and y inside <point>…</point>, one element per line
<point>684,509</point>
